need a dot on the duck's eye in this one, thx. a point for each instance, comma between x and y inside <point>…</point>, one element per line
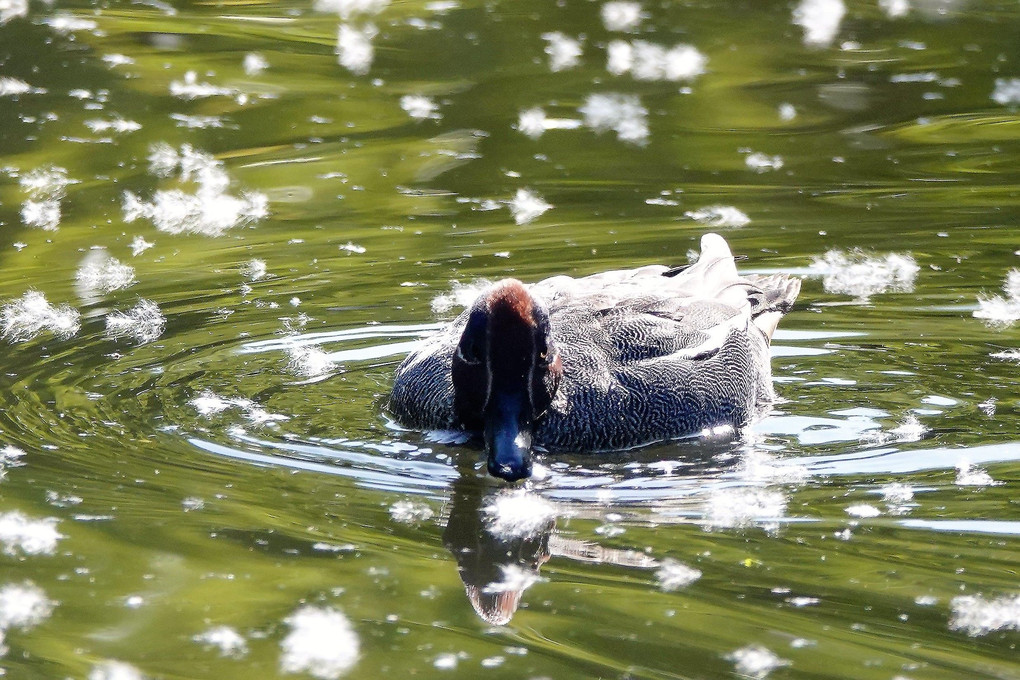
<point>471,348</point>
<point>468,353</point>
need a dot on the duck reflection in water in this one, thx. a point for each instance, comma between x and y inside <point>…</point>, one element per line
<point>497,562</point>
<point>500,539</point>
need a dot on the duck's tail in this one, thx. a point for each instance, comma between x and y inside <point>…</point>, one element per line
<point>772,297</point>
<point>769,296</point>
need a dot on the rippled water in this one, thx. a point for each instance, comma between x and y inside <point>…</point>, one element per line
<point>223,225</point>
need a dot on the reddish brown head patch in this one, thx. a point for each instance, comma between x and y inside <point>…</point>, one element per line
<point>510,297</point>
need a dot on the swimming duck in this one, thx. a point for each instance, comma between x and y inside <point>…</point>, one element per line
<point>605,362</point>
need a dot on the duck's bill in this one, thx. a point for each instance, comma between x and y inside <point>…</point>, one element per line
<point>508,443</point>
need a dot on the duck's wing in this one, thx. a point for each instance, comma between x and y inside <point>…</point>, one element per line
<point>713,277</point>
<point>656,311</point>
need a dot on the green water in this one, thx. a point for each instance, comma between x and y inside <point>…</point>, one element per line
<point>213,475</point>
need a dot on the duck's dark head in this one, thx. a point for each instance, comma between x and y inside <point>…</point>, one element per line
<point>505,374</point>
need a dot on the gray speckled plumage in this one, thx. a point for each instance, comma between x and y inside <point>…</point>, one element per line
<point>648,354</point>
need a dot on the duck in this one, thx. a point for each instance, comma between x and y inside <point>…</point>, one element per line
<point>605,362</point>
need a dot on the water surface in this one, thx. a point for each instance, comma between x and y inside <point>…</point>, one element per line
<point>237,218</point>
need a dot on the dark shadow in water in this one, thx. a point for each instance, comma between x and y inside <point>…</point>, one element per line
<point>495,569</point>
